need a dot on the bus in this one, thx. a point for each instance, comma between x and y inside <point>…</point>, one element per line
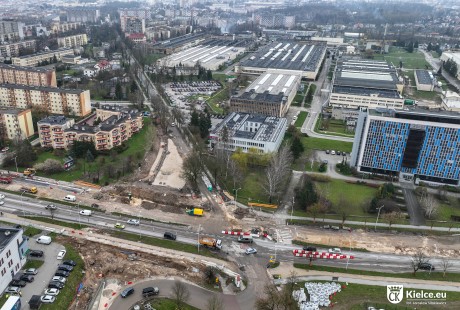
<point>13,303</point>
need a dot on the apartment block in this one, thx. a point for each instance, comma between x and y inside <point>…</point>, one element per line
<point>64,27</point>
<point>13,249</point>
<point>34,59</point>
<point>54,100</point>
<point>73,41</point>
<point>16,124</point>
<point>51,131</point>
<point>11,31</point>
<point>84,15</point>
<point>414,145</point>
<point>126,14</point>
<point>14,49</point>
<point>10,74</point>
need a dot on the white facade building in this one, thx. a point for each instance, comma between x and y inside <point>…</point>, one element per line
<point>13,249</point>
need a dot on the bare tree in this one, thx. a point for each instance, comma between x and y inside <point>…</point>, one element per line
<point>278,171</point>
<point>342,208</point>
<point>391,217</point>
<point>180,294</point>
<point>235,173</point>
<point>215,303</point>
<point>430,205</point>
<point>191,168</point>
<point>52,210</point>
<point>271,300</point>
<point>417,260</point>
<point>446,263</point>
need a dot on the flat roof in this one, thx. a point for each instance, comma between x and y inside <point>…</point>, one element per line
<point>63,49</point>
<point>364,91</point>
<point>443,117</point>
<point>53,120</point>
<point>275,83</point>
<point>6,235</point>
<point>287,55</point>
<point>42,88</point>
<point>22,68</point>
<point>424,77</point>
<point>182,40</point>
<point>8,110</point>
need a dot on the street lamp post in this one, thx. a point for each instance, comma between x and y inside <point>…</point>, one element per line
<point>16,163</point>
<point>236,195</point>
<point>378,214</point>
<point>292,207</point>
<point>199,228</point>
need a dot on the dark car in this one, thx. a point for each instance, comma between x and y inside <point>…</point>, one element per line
<point>309,248</point>
<point>169,236</point>
<point>51,207</point>
<point>426,266</point>
<point>126,292</point>
<point>19,283</point>
<point>27,278</point>
<point>65,267</point>
<point>69,263</point>
<point>35,253</point>
<point>56,284</point>
<point>150,291</point>
<point>94,205</point>
<point>62,273</point>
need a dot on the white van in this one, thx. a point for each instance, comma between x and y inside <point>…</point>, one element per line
<point>44,240</point>
<point>85,212</point>
<point>70,198</point>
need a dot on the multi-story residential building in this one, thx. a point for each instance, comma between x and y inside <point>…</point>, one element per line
<point>249,131</point>
<point>271,94</point>
<point>11,31</point>
<point>51,131</point>
<point>453,56</point>
<point>10,74</point>
<point>84,15</point>
<point>34,59</point>
<point>366,83</point>
<point>142,14</point>
<point>115,126</point>
<point>416,145</point>
<point>134,25</point>
<point>13,249</point>
<point>64,27</point>
<point>73,41</point>
<point>16,124</point>
<point>14,49</point>
<point>54,100</point>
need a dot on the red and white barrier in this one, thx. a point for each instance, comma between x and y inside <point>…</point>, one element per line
<point>308,254</point>
<point>235,233</point>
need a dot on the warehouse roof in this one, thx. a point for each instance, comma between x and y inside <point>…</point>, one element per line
<point>275,83</point>
<point>424,77</point>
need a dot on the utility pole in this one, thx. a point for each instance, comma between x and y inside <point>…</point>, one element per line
<point>378,214</point>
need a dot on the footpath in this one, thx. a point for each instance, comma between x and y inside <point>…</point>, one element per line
<point>286,270</point>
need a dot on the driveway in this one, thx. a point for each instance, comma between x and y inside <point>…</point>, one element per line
<point>413,207</point>
<point>45,272</point>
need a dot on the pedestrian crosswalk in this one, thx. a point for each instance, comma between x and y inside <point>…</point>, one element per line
<point>284,235</point>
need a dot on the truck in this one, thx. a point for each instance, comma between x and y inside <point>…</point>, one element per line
<point>195,212</point>
<point>29,172</point>
<point>211,243</point>
<point>32,190</point>
<point>6,180</point>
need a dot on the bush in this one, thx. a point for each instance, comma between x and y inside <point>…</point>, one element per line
<point>210,274</point>
<point>50,166</point>
<point>322,167</point>
<point>320,178</point>
<point>344,168</point>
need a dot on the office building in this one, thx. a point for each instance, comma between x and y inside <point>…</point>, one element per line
<point>51,131</point>
<point>73,41</point>
<point>54,100</point>
<point>414,145</point>
<point>16,124</point>
<point>10,74</point>
<point>14,49</point>
<point>424,80</point>
<point>366,83</point>
<point>83,15</point>
<point>287,57</point>
<point>451,101</point>
<point>271,94</point>
<point>13,249</point>
<point>453,56</point>
<point>245,131</point>
<point>11,31</point>
<point>34,59</point>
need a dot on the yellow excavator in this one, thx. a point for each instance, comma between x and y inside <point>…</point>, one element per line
<point>29,172</point>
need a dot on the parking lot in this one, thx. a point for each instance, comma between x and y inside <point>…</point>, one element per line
<point>45,272</point>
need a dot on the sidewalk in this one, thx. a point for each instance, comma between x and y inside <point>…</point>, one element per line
<point>286,270</point>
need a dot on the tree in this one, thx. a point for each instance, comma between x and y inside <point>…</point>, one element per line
<point>118,91</point>
<point>180,294</point>
<point>191,168</point>
<point>277,172</point>
<point>278,300</point>
<point>80,148</point>
<point>215,303</point>
<point>25,154</point>
<point>50,166</point>
<point>342,208</point>
<point>410,47</point>
<point>52,210</point>
<point>391,217</point>
<point>89,156</point>
<point>429,47</point>
<point>430,205</point>
<point>315,209</point>
<point>305,194</point>
<point>418,259</point>
<point>446,263</point>
<point>133,86</point>
<point>297,147</point>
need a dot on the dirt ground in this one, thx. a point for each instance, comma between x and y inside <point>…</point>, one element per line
<point>170,172</point>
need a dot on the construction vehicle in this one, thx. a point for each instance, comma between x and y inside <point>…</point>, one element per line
<point>29,172</point>
<point>6,180</point>
<point>211,243</point>
<point>195,212</point>
<point>32,190</point>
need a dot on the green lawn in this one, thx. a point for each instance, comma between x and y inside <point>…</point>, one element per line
<point>426,95</point>
<point>251,187</point>
<point>332,127</point>
<point>33,263</point>
<point>152,58</point>
<point>58,222</point>
<point>420,275</point>
<point>311,143</point>
<point>216,101</point>
<point>297,102</point>
<point>300,119</point>
<point>415,60</point>
<point>67,294</point>
<point>31,231</point>
<point>168,304</point>
<point>445,211</point>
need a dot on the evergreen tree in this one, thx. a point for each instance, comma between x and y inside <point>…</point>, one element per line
<point>296,147</point>
<point>429,47</point>
<point>118,91</point>
<point>195,118</point>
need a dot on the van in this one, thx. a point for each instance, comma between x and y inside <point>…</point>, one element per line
<point>85,212</point>
<point>70,198</point>
<point>245,239</point>
<point>43,240</point>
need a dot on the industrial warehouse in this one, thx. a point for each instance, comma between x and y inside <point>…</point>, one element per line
<point>271,94</point>
<point>287,57</point>
<point>364,83</point>
<point>210,54</point>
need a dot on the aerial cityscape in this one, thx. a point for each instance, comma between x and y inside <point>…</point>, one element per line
<point>229,154</point>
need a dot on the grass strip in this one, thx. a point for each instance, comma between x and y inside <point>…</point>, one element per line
<point>420,275</point>
<point>33,263</point>
<point>56,222</point>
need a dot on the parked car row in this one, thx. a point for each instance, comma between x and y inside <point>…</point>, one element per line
<point>336,152</point>
<point>146,292</point>
<point>59,279</point>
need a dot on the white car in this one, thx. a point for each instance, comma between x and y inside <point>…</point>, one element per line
<point>52,292</point>
<point>47,299</point>
<point>335,251</point>
<point>31,271</point>
<point>332,152</point>
<point>2,196</point>
<point>251,251</point>
<point>2,202</point>
<point>61,254</point>
<point>133,222</point>
<point>59,279</point>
